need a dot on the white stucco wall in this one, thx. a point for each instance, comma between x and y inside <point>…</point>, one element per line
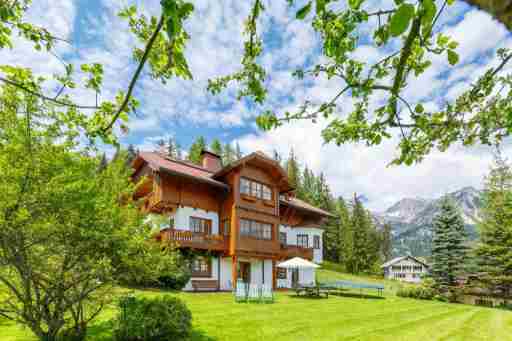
<point>291,238</point>
<point>183,214</point>
<point>225,273</point>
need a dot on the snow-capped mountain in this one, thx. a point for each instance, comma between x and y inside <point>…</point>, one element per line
<point>411,219</point>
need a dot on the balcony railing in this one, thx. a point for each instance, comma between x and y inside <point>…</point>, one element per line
<point>290,251</point>
<point>185,238</point>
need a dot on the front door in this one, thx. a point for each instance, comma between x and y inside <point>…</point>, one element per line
<point>295,278</point>
<point>244,272</point>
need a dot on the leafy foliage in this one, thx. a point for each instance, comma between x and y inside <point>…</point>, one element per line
<point>476,116</point>
<point>152,319</point>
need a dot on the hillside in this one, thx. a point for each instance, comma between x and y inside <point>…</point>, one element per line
<point>411,220</point>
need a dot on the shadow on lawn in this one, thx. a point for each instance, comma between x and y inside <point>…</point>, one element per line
<point>340,294</point>
<point>103,332</point>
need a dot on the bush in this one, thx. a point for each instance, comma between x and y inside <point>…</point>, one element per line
<point>175,280</point>
<point>421,292</point>
<point>155,319</point>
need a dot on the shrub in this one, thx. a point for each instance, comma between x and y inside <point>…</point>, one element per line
<point>421,292</point>
<point>155,319</point>
<point>175,280</point>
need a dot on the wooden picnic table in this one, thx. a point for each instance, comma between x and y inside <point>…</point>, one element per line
<point>311,291</point>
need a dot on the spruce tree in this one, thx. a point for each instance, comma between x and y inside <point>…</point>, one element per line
<point>448,246</point>
<point>292,168</point>
<point>495,249</point>
<point>360,237</point>
<point>171,147</point>
<point>194,154</point>
<point>386,242</point>
<point>228,154</point>
<point>238,152</point>
<point>216,147</point>
<point>334,236</point>
<point>179,152</point>
<point>131,155</point>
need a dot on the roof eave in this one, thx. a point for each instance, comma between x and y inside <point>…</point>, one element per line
<point>195,178</point>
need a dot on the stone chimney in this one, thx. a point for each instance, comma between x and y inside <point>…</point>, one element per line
<point>211,161</point>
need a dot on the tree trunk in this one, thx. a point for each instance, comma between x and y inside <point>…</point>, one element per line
<point>499,9</point>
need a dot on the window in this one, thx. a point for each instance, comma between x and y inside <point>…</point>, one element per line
<point>316,242</point>
<point>201,267</point>
<point>396,268</point>
<point>245,186</point>
<point>417,268</point>
<point>254,229</point>
<point>281,273</point>
<point>282,238</point>
<point>255,189</point>
<point>302,240</point>
<point>200,225</point>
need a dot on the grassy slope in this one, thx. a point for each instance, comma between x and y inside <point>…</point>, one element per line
<point>217,317</point>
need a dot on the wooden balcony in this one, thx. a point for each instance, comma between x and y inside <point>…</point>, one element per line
<point>290,251</point>
<point>203,241</point>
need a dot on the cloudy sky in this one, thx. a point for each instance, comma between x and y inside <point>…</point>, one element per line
<point>185,110</point>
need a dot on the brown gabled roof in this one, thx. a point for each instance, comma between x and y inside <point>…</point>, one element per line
<point>302,205</point>
<point>260,156</point>
<point>160,163</point>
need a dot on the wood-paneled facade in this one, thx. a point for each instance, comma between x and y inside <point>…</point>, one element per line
<point>166,185</point>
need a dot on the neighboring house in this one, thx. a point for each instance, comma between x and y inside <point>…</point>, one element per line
<point>243,214</point>
<point>407,269</point>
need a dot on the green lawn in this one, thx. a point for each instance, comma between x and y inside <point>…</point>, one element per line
<point>217,317</point>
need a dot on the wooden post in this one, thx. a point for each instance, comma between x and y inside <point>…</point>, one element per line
<point>234,273</point>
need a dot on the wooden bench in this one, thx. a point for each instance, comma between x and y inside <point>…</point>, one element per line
<point>209,284</point>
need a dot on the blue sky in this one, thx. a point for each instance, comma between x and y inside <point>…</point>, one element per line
<point>185,110</point>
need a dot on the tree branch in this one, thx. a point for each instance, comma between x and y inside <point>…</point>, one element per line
<point>46,98</point>
<point>133,81</point>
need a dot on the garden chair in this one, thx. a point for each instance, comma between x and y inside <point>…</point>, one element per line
<point>267,295</point>
<point>241,292</point>
<point>254,292</point>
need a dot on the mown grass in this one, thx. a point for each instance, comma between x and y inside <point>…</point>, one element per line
<point>217,317</point>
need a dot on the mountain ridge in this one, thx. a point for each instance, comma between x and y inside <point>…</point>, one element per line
<point>411,219</point>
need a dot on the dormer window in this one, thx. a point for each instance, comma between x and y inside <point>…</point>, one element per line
<point>255,189</point>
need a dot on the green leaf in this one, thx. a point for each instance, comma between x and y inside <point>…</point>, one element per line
<point>301,13</point>
<point>401,19</point>
<point>320,6</point>
<point>429,12</point>
<point>453,57</point>
<point>355,4</point>
<point>419,108</point>
<point>450,2</point>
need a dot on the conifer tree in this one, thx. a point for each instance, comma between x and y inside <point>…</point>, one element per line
<point>194,154</point>
<point>292,168</point>
<point>448,246</point>
<point>335,233</point>
<point>495,249</point>
<point>360,237</point>
<point>386,242</point>
<point>216,147</point>
<point>131,154</point>
<point>228,154</point>
<point>238,152</point>
<point>179,153</point>
<point>171,147</point>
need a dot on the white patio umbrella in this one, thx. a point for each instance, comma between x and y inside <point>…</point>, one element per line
<point>297,263</point>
